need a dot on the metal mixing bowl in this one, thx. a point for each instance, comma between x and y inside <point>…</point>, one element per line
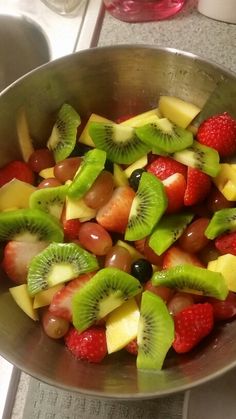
<point>111,81</point>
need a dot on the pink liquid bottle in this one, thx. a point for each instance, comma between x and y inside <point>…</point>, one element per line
<point>143,10</point>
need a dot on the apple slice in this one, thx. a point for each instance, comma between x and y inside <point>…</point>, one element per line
<point>177,110</point>
<point>23,300</point>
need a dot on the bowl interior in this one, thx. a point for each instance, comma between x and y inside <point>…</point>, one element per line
<point>111,81</point>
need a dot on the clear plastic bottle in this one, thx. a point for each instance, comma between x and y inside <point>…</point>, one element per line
<point>143,10</point>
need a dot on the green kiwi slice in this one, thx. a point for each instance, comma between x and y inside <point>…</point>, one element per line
<point>155,332</point>
<point>58,263</point>
<point>165,136</point>
<point>92,165</point>
<point>189,277</point>
<point>167,231</point>
<point>49,200</point>
<point>29,225</point>
<point>222,221</point>
<point>107,290</point>
<point>121,143</point>
<point>200,157</point>
<point>63,137</point>
<point>147,207</point>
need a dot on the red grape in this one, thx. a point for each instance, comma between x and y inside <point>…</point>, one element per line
<point>55,327</point>
<point>193,238</point>
<point>101,191</point>
<point>66,169</point>
<point>119,257</point>
<point>180,301</point>
<point>216,201</point>
<point>95,238</point>
<point>164,292</point>
<point>50,182</point>
<point>41,159</point>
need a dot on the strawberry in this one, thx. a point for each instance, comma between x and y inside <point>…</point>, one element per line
<point>192,324</point>
<point>17,257</point>
<point>175,256</point>
<point>198,187</point>
<point>140,245</point>
<point>219,132</point>
<point>226,243</point>
<point>163,167</point>
<point>71,229</point>
<point>61,302</point>
<point>175,186</point>
<point>89,345</point>
<point>132,347</point>
<point>113,216</point>
<point>16,169</point>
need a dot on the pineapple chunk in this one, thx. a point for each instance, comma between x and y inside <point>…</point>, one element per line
<point>225,181</point>
<point>122,326</point>
<point>47,173</point>
<point>177,110</point>
<point>15,194</point>
<point>44,298</point>
<point>24,301</point>
<point>142,119</point>
<point>84,136</point>
<point>226,265</point>
<point>76,208</point>
<point>139,164</point>
<point>120,178</point>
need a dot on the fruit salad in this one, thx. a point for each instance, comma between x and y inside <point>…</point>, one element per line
<point>121,235</point>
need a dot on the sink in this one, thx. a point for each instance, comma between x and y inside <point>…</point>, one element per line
<point>32,34</point>
<point>23,46</point>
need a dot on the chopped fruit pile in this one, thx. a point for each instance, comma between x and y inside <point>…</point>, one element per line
<point>123,237</point>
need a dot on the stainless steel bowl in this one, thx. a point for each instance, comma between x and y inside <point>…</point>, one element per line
<point>111,81</point>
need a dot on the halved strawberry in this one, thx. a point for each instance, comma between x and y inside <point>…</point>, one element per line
<point>17,257</point>
<point>140,245</point>
<point>163,167</point>
<point>226,243</point>
<point>175,256</point>
<point>175,186</point>
<point>198,187</point>
<point>18,170</point>
<point>132,347</point>
<point>114,215</point>
<point>192,324</point>
<point>61,302</point>
<point>71,229</point>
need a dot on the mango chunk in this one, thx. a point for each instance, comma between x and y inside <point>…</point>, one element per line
<point>24,301</point>
<point>15,194</point>
<point>177,110</point>
<point>122,326</point>
<point>226,265</point>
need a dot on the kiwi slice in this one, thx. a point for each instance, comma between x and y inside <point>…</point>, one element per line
<point>222,221</point>
<point>63,137</point>
<point>147,208</point>
<point>165,136</point>
<point>200,157</point>
<point>50,200</point>
<point>189,277</point>
<point>92,165</point>
<point>58,263</point>
<point>121,144</point>
<point>107,290</point>
<point>155,332</point>
<point>29,225</point>
<point>167,231</point>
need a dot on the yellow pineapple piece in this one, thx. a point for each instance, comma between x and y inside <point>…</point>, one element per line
<point>84,136</point>
<point>142,119</point>
<point>120,178</point>
<point>76,208</point>
<point>44,298</point>
<point>15,194</point>
<point>226,265</point>
<point>47,173</point>
<point>177,110</point>
<point>139,164</point>
<point>23,300</point>
<point>225,181</point>
<point>122,326</point>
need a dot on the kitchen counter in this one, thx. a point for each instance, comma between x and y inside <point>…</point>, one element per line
<point>187,31</point>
